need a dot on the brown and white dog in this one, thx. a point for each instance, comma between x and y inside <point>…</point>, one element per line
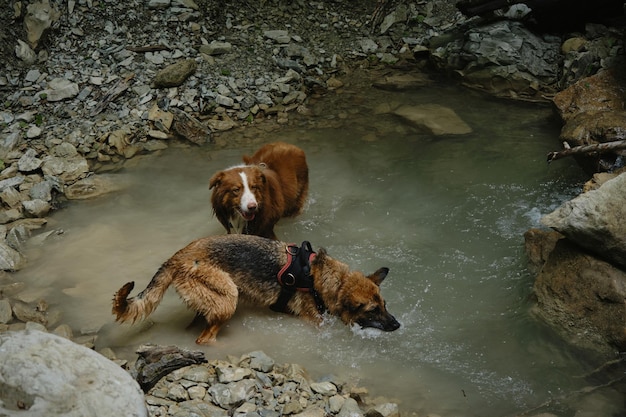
<point>251,198</point>
<point>213,274</point>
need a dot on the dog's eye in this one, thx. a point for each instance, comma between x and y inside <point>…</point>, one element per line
<point>235,190</point>
<point>354,308</point>
<point>372,312</point>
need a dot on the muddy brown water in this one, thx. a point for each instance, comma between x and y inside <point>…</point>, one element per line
<point>446,214</point>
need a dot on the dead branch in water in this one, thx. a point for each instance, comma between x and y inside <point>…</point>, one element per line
<point>586,149</point>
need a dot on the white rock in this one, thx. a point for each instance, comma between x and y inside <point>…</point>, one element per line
<point>61,89</point>
<point>52,376</point>
<point>280,36</point>
<point>25,53</point>
<point>595,220</point>
<point>10,259</point>
<point>33,132</point>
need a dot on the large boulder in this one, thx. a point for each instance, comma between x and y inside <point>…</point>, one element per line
<point>503,58</point>
<point>603,92</point>
<point>581,296</point>
<point>42,374</point>
<point>595,220</point>
<point>593,113</point>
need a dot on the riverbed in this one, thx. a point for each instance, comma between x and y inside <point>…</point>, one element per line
<point>445,213</point>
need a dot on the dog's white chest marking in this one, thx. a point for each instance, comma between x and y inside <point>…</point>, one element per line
<point>238,224</point>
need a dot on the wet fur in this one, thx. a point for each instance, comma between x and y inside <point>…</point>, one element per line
<point>213,274</point>
<point>278,176</point>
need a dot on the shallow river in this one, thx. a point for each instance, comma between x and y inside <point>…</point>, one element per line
<point>446,215</point>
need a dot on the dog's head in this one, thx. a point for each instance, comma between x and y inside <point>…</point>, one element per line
<point>351,295</point>
<point>237,190</point>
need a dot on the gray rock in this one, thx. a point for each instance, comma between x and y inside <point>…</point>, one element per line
<point>17,236</point>
<point>226,373</point>
<point>224,101</point>
<point>194,408</point>
<point>25,52</point>
<point>66,169</point>
<point>221,395</point>
<point>595,220</point>
<point>350,408</point>
<point>60,89</point>
<point>368,46</point>
<point>6,313</point>
<point>8,143</point>
<point>32,75</point>
<point>259,361</point>
<point>387,410</point>
<point>324,388</point>
<point>158,4</point>
<point>506,43</point>
<point>216,48</point>
<point>36,208</point>
<point>43,189</point>
<point>11,182</point>
<point>52,376</point>
<point>242,390</point>
<point>29,161</point>
<point>279,36</point>
<point>10,259</point>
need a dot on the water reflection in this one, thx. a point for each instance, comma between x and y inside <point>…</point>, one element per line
<point>445,214</point>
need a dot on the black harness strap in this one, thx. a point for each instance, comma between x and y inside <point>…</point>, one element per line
<point>296,276</point>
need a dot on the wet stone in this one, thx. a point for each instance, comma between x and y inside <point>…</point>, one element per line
<point>6,313</point>
<point>227,374</point>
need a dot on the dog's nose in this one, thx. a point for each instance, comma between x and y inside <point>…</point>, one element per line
<point>394,324</point>
<point>252,206</point>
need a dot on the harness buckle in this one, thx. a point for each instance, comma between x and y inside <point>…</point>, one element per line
<point>289,279</point>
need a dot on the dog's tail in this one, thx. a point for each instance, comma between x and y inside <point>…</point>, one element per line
<point>137,308</point>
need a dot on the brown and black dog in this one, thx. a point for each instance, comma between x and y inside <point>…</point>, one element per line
<point>213,274</point>
<point>251,198</point>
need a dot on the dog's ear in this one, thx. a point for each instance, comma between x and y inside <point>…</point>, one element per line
<point>216,179</point>
<point>320,256</point>
<point>379,276</point>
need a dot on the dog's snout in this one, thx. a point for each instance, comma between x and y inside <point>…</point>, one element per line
<point>393,324</point>
<point>386,323</point>
<point>252,206</point>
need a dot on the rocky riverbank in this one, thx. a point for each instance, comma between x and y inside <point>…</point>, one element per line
<point>90,84</point>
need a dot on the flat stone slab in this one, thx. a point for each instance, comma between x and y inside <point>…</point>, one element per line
<point>439,120</point>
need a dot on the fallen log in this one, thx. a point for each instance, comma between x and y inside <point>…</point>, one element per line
<point>154,362</point>
<point>586,149</point>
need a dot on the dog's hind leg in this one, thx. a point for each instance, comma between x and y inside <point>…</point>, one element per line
<point>213,295</point>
